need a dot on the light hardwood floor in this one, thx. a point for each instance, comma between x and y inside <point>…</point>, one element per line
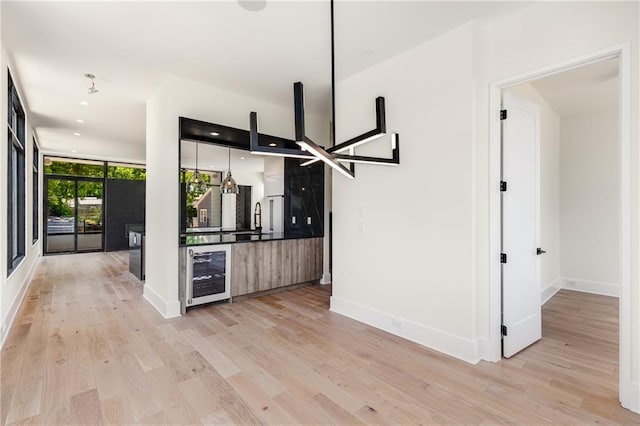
<point>86,348</point>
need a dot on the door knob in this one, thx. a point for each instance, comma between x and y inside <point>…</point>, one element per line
<point>539,251</point>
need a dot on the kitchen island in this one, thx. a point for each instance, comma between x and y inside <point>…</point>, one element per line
<point>261,231</point>
<point>257,262</point>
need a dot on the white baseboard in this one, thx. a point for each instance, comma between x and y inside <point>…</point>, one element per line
<point>441,341</point>
<point>325,279</point>
<point>487,351</point>
<point>630,398</point>
<point>7,321</point>
<point>169,309</point>
<point>595,287</point>
<point>550,290</point>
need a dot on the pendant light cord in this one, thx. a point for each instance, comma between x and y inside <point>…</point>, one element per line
<point>333,82</point>
<point>197,145</point>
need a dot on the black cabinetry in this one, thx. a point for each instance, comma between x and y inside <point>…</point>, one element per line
<point>304,199</point>
<point>125,205</point>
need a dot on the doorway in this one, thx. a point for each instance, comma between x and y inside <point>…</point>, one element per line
<point>625,186</point>
<point>74,214</point>
<point>560,212</point>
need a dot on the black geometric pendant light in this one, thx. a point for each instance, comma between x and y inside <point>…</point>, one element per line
<point>336,155</point>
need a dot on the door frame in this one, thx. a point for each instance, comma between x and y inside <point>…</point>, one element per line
<point>628,167</point>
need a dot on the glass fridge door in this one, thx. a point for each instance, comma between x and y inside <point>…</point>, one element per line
<point>209,279</point>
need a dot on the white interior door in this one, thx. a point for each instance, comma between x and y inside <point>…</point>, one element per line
<point>521,312</point>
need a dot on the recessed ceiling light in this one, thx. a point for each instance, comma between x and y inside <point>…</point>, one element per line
<point>74,151</point>
<point>79,120</point>
<point>253,5</point>
<point>272,144</point>
<point>214,134</point>
<point>76,134</point>
<point>242,158</point>
<point>85,103</point>
<point>211,165</point>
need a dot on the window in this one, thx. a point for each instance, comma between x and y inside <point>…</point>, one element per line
<point>15,180</point>
<point>203,215</point>
<point>36,192</point>
<point>126,171</point>
<point>69,167</point>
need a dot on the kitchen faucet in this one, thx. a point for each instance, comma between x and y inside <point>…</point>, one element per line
<point>257,217</point>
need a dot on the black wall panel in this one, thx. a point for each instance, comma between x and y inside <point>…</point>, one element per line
<point>304,199</point>
<point>243,208</point>
<point>125,204</point>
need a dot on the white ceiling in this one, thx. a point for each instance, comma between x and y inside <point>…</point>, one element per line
<point>585,89</point>
<point>131,46</point>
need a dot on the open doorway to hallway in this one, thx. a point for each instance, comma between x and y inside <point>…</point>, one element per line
<point>561,210</point>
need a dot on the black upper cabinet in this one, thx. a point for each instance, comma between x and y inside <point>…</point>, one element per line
<point>304,199</point>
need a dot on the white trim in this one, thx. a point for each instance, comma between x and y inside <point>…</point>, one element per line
<point>325,279</point>
<point>93,157</point>
<point>583,286</point>
<point>631,399</point>
<point>550,290</point>
<point>7,321</point>
<point>441,341</point>
<point>168,309</point>
<point>628,168</point>
<point>627,190</point>
<point>484,348</point>
<point>593,287</point>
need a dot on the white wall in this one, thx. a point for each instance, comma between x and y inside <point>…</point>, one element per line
<point>180,97</point>
<point>430,241</point>
<point>590,199</point>
<point>413,222</point>
<point>549,189</point>
<point>12,288</point>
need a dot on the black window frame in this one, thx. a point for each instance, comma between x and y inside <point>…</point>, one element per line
<point>35,226</point>
<point>16,179</point>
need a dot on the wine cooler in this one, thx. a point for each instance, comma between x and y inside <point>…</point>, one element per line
<point>208,274</point>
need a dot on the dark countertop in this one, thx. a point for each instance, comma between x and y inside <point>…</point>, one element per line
<point>232,238</point>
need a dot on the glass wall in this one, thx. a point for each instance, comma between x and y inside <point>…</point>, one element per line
<point>126,171</point>
<point>89,214</point>
<point>60,227</point>
<point>75,201</point>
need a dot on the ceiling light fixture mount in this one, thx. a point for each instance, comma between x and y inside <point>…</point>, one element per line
<point>92,89</point>
<point>253,5</point>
